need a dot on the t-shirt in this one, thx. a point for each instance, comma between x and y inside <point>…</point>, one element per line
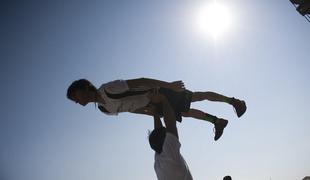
<point>169,164</point>
<point>128,103</point>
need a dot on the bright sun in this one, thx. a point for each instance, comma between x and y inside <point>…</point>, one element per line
<point>214,19</point>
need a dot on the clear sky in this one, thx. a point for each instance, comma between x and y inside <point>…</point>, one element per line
<point>45,45</point>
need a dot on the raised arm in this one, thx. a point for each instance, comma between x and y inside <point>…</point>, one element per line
<point>157,122</point>
<point>169,117</point>
<point>147,83</point>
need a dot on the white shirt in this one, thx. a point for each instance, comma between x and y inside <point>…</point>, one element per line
<point>125,104</point>
<point>169,164</point>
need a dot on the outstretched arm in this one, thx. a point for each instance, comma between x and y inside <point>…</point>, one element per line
<point>147,83</point>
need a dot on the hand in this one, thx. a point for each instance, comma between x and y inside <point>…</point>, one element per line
<point>177,86</point>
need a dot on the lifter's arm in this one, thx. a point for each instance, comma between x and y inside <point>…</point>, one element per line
<point>169,117</point>
<point>157,122</point>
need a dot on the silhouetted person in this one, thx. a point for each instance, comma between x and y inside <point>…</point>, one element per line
<point>135,96</point>
<point>169,163</point>
<point>227,178</point>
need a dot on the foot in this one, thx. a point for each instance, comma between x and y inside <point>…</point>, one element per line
<point>219,126</point>
<point>239,105</point>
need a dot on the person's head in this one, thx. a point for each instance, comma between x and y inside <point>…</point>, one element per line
<point>157,138</point>
<point>81,91</point>
<point>227,178</point>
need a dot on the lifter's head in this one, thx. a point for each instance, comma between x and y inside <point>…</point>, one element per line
<point>157,138</point>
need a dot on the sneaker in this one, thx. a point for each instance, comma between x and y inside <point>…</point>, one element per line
<point>219,126</point>
<point>239,105</point>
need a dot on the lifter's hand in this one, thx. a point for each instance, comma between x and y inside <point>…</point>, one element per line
<point>177,86</point>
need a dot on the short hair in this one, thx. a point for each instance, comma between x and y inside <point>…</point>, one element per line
<point>157,138</point>
<point>82,85</point>
<point>227,178</point>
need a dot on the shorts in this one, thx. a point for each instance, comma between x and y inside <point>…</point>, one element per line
<point>179,101</point>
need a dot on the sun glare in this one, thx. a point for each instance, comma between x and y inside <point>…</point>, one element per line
<point>213,19</point>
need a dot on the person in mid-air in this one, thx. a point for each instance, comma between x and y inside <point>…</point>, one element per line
<point>135,95</point>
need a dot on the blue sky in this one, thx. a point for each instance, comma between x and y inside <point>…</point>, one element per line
<point>264,59</point>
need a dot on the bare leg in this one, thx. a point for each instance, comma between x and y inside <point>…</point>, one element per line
<point>211,96</point>
<point>239,105</point>
<point>197,114</point>
<point>193,113</point>
<point>219,123</point>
